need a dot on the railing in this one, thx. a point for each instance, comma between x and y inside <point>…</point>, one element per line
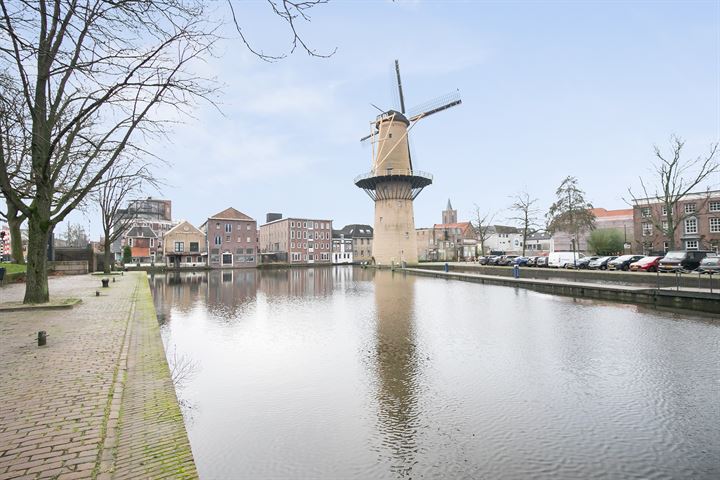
<point>390,172</point>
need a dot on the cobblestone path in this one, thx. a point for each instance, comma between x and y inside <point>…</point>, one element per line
<point>97,401</point>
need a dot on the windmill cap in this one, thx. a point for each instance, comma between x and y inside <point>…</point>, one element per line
<point>387,116</point>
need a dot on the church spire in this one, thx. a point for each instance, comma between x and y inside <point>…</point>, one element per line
<point>449,205</point>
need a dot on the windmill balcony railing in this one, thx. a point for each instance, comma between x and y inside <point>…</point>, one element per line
<point>394,173</point>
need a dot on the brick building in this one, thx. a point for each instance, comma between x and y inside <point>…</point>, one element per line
<point>184,246</point>
<point>152,213</point>
<point>231,238</point>
<point>697,217</point>
<point>302,240</point>
<point>450,240</point>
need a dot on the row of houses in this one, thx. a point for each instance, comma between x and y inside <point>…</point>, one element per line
<point>232,239</point>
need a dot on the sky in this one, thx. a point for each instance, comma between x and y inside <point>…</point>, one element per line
<point>549,89</point>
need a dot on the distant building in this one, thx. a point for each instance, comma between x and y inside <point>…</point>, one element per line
<point>447,241</point>
<point>503,238</point>
<point>153,213</point>
<point>342,248</point>
<point>539,243</point>
<point>698,215</point>
<point>362,240</point>
<point>185,246</point>
<point>232,240</point>
<point>143,243</point>
<point>301,240</point>
<point>618,220</point>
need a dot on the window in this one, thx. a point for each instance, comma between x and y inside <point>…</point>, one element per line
<point>666,246</point>
<point>292,244</point>
<point>304,234</point>
<point>691,244</point>
<point>152,242</point>
<point>715,225</point>
<point>304,224</point>
<point>714,207</point>
<point>188,259</point>
<point>691,226</point>
<point>248,227</point>
<point>194,247</point>
<point>665,226</point>
<point>663,210</point>
<point>689,208</point>
<point>179,246</point>
<point>646,229</point>
<point>645,212</point>
<point>316,226</point>
<point>227,238</point>
<point>228,227</point>
<point>130,242</point>
<point>249,251</point>
<point>248,240</point>
<point>292,234</point>
<point>218,240</point>
<point>292,224</point>
<point>217,226</point>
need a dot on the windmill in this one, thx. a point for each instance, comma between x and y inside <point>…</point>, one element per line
<point>392,183</point>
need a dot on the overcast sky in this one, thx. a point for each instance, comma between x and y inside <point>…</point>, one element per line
<point>549,89</point>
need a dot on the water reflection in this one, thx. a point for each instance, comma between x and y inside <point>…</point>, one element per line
<point>397,369</point>
<point>350,373</point>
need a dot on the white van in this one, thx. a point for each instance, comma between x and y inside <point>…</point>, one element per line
<point>562,259</point>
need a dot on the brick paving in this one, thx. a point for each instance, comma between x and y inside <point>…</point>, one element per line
<point>97,401</point>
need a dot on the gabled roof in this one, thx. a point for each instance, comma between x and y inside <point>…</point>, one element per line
<point>179,228</point>
<point>141,232</point>
<point>231,214</point>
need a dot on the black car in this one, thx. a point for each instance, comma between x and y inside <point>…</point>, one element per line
<point>682,260</point>
<point>600,263</point>
<point>623,262</point>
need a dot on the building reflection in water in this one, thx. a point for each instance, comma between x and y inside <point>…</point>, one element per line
<point>178,291</point>
<point>229,292</point>
<point>397,366</point>
<point>297,282</point>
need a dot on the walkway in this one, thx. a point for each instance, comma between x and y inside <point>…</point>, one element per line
<point>97,401</point>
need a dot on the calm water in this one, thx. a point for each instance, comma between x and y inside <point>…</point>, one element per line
<point>346,373</point>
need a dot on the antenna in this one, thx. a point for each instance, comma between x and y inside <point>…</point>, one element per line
<point>402,99</point>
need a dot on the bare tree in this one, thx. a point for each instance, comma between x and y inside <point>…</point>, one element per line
<point>122,181</point>
<point>482,224</point>
<point>571,212</point>
<point>525,215</point>
<point>94,75</point>
<point>674,179</point>
<point>14,150</point>
<point>75,235</point>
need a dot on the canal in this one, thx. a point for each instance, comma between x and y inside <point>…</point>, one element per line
<point>341,373</point>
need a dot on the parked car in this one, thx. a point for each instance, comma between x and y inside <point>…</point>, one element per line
<point>646,264</point>
<point>623,262</point>
<point>482,260</point>
<point>682,260</point>
<point>601,263</point>
<point>541,262</point>
<point>532,261</point>
<point>582,263</point>
<point>710,264</point>
<point>506,260</point>
<point>492,260</point>
<point>561,259</point>
<point>522,261</point>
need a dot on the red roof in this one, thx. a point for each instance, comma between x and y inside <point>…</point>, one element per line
<point>601,212</point>
<point>231,214</point>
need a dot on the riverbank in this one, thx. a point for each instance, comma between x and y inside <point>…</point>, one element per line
<point>691,299</point>
<point>98,400</point>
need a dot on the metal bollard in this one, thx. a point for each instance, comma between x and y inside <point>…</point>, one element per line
<point>447,267</point>
<point>516,271</point>
<point>42,338</point>
<point>105,282</point>
<point>97,293</point>
<point>113,279</point>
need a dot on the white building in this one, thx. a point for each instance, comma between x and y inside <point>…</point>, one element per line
<point>505,239</point>
<point>342,248</point>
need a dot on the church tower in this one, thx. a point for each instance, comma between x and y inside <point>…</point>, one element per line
<point>449,215</point>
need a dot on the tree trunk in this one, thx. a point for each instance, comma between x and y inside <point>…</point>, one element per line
<point>14,223</point>
<point>108,256</point>
<point>36,283</point>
